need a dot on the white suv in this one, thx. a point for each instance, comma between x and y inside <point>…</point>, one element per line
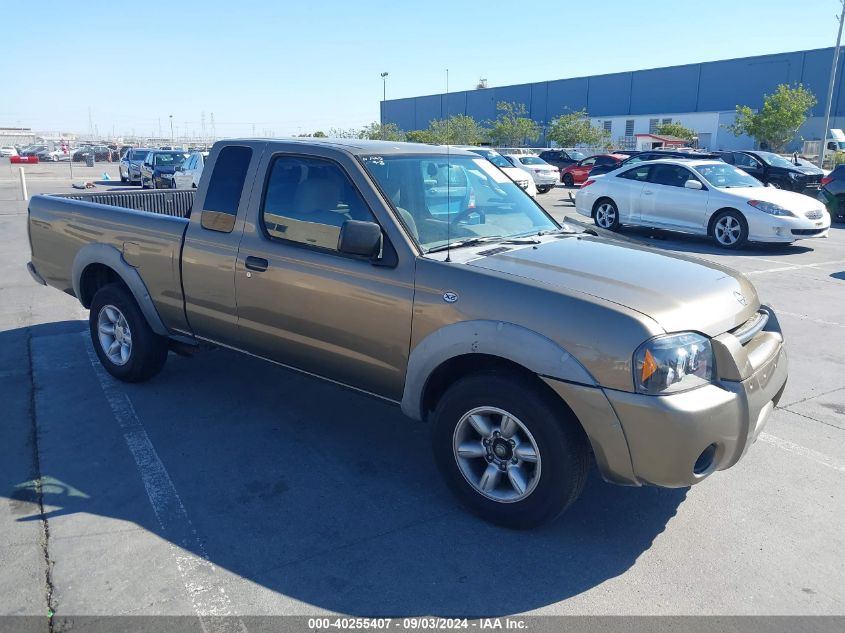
<point>545,176</point>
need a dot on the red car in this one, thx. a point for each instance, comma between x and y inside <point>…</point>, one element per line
<point>577,173</point>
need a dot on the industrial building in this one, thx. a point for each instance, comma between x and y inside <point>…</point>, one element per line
<point>700,96</point>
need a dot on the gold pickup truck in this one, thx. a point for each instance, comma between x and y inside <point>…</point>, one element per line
<point>424,276</point>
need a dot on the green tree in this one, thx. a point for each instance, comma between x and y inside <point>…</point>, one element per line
<point>419,136</point>
<point>777,122</point>
<point>569,130</point>
<point>376,131</point>
<point>458,129</point>
<point>319,134</point>
<point>512,126</point>
<point>676,129</point>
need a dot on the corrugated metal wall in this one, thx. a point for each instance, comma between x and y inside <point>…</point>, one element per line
<point>705,87</point>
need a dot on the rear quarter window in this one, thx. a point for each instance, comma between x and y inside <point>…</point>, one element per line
<point>225,188</point>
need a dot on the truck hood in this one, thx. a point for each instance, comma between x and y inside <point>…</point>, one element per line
<point>679,293</point>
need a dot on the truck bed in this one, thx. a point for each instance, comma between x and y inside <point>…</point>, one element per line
<point>145,228</point>
<point>176,203</point>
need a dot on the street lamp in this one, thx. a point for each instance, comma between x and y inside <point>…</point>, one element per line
<point>171,131</point>
<point>383,99</point>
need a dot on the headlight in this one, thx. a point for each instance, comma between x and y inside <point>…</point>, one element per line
<point>770,207</point>
<point>794,175</point>
<point>672,363</point>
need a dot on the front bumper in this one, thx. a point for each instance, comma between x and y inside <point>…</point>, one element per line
<point>786,229</point>
<point>679,440</point>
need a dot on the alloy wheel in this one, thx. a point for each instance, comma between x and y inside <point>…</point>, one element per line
<point>727,230</point>
<point>605,215</point>
<point>496,454</point>
<point>114,334</point>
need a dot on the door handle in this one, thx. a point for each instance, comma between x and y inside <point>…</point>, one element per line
<point>258,264</point>
<point>648,192</point>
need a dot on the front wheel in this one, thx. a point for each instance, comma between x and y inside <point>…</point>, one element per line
<point>606,215</point>
<point>508,451</point>
<point>543,189</point>
<point>568,180</point>
<point>123,340</point>
<point>730,230</point>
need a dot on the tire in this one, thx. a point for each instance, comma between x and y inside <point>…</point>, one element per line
<point>543,189</point>
<point>730,230</point>
<point>568,180</point>
<point>114,306</point>
<point>547,486</point>
<point>124,179</point>
<point>606,214</point>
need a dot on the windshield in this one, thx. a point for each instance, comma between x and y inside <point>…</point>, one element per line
<point>532,160</point>
<point>724,176</point>
<point>775,160</point>
<point>138,154</point>
<point>577,155</point>
<point>174,158</point>
<point>455,198</point>
<point>494,157</point>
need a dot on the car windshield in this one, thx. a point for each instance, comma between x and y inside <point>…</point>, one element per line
<point>171,158</point>
<point>775,160</point>
<point>138,154</point>
<point>440,198</point>
<point>532,160</point>
<point>577,155</point>
<point>724,176</point>
<point>494,157</point>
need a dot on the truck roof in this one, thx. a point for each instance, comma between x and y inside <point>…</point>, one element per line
<point>362,147</point>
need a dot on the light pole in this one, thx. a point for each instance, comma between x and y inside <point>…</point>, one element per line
<point>383,99</point>
<point>830,86</point>
<point>171,131</point>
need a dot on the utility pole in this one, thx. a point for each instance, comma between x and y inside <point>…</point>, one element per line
<point>171,131</point>
<point>831,84</point>
<point>213,129</point>
<point>383,99</point>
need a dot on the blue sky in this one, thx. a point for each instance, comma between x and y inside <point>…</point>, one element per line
<point>289,67</point>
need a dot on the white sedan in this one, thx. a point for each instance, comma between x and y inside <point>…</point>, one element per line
<point>545,176</point>
<point>704,197</point>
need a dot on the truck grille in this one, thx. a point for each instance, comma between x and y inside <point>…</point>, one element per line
<point>752,327</point>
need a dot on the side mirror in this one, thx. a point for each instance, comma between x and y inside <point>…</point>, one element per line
<point>693,184</point>
<point>359,238</point>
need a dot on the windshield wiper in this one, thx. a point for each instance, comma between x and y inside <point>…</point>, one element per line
<point>473,241</point>
<point>561,230</point>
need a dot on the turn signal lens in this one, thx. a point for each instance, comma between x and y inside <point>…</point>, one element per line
<point>587,183</point>
<point>649,366</point>
<point>673,363</point>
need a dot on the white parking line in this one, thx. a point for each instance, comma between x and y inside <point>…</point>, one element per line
<point>809,453</point>
<point>804,317</point>
<point>208,597</point>
<point>795,267</point>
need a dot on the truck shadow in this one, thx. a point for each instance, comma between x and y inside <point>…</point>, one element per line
<point>311,491</point>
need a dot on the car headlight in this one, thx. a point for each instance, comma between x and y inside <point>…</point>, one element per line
<point>771,208</point>
<point>793,175</point>
<point>672,363</point>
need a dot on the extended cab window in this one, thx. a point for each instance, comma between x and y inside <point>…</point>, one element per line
<point>307,200</point>
<point>225,187</point>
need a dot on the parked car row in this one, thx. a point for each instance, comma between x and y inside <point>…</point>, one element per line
<point>162,168</point>
<point>704,197</point>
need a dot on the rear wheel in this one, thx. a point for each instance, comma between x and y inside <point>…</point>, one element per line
<point>568,180</point>
<point>606,215</point>
<point>730,230</point>
<point>123,340</point>
<point>507,451</point>
<point>543,189</point>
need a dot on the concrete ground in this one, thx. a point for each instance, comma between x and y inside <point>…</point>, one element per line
<point>230,486</point>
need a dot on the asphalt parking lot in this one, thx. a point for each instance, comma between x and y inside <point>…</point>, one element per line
<point>227,486</point>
